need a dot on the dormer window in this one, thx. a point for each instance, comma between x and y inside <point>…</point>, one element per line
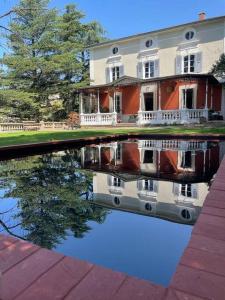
<point>189,35</point>
<point>115,50</point>
<point>148,43</point>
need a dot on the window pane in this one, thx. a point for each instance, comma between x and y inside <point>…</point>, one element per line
<point>117,72</point>
<point>192,63</point>
<point>146,70</point>
<point>152,69</point>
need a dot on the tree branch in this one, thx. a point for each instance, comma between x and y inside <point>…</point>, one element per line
<point>7,14</point>
<point>5,28</point>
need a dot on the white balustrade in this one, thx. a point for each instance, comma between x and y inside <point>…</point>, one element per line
<point>175,145</point>
<point>7,127</point>
<point>11,126</point>
<point>182,116</point>
<point>98,119</point>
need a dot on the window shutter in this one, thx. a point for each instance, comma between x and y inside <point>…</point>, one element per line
<point>176,189</point>
<point>198,62</point>
<point>139,70</point>
<point>122,184</point>
<point>178,64</point>
<point>155,186</point>
<point>107,74</point>
<point>194,191</point>
<point>109,180</point>
<point>121,71</point>
<point>139,185</point>
<point>156,68</point>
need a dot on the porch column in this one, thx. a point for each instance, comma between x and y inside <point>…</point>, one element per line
<point>206,93</point>
<point>81,103</point>
<point>98,102</point>
<point>90,103</point>
<point>114,101</point>
<point>159,95</point>
<point>185,98</point>
<point>99,155</point>
<point>140,100</point>
<point>159,161</point>
<point>114,117</point>
<point>204,151</point>
<point>211,106</point>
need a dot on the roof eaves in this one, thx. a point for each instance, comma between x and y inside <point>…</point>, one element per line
<point>130,37</point>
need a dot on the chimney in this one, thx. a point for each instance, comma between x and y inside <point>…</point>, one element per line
<point>201,16</point>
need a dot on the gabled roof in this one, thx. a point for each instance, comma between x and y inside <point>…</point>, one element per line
<point>135,36</point>
<point>126,80</point>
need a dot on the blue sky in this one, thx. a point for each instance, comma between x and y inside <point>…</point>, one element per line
<point>126,17</point>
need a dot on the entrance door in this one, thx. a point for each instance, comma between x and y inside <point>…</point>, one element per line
<point>188,100</point>
<point>118,103</point>
<point>149,101</point>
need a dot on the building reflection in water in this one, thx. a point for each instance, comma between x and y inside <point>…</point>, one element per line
<point>163,178</point>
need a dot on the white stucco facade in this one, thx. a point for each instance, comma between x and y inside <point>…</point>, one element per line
<point>208,43</point>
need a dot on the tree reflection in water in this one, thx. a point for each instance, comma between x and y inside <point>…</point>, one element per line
<point>54,197</point>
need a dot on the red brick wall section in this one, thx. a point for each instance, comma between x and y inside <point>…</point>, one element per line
<point>105,156</point>
<point>169,95</point>
<point>201,94</point>
<point>131,157</point>
<point>130,100</point>
<point>217,95</point>
<point>168,161</point>
<point>104,102</point>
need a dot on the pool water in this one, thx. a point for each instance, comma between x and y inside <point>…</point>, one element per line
<point>129,206</point>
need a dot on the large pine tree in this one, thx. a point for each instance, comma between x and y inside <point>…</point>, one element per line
<point>74,37</point>
<point>29,64</point>
<point>47,57</point>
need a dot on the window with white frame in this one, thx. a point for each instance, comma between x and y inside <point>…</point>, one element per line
<point>186,160</point>
<point>189,63</point>
<point>189,35</point>
<point>118,103</point>
<point>149,69</point>
<point>115,73</point>
<point>148,185</point>
<point>116,182</point>
<point>186,190</point>
<point>115,50</point>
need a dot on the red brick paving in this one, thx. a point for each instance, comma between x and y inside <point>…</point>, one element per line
<point>29,272</point>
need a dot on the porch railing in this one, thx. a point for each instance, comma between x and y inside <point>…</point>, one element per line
<point>175,145</point>
<point>172,116</point>
<point>98,119</point>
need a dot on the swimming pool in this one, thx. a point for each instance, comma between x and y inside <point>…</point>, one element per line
<point>129,206</point>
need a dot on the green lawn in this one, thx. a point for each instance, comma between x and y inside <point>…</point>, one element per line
<point>44,136</point>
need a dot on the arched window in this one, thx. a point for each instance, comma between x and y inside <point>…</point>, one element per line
<point>186,214</point>
<point>116,201</point>
<point>148,43</point>
<point>189,35</point>
<point>115,50</point>
<point>148,206</point>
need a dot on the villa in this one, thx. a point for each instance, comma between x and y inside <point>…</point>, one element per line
<point>153,177</point>
<point>158,77</point>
